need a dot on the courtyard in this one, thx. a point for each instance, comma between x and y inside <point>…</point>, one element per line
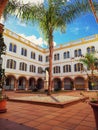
<point>78,116</point>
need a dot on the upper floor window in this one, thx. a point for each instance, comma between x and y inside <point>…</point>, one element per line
<point>32,68</point>
<point>91,49</point>
<point>32,55</point>
<point>66,54</point>
<point>12,47</point>
<point>56,69</point>
<point>40,69</point>
<point>57,56</point>
<point>40,58</point>
<point>23,66</point>
<point>23,51</point>
<point>11,64</point>
<point>47,58</point>
<point>67,68</point>
<point>78,67</point>
<point>77,53</point>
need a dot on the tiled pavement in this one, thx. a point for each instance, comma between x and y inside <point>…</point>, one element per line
<point>26,116</point>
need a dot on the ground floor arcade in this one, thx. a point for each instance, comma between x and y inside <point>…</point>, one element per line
<point>67,83</point>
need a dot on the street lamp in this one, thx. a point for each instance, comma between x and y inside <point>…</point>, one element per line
<point>94,10</point>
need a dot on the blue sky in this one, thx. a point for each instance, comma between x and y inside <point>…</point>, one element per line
<point>79,28</point>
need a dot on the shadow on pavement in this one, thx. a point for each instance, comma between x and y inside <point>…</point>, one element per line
<point>9,125</point>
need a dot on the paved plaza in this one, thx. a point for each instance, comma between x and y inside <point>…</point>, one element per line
<point>24,116</point>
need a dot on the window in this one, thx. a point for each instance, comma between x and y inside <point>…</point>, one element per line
<point>67,68</point>
<point>23,51</point>
<point>47,58</point>
<point>56,69</point>
<point>40,58</point>
<point>23,66</point>
<point>12,47</point>
<point>32,55</point>
<point>32,68</point>
<point>11,64</point>
<point>91,49</point>
<point>40,69</point>
<point>78,67</point>
<point>66,55</point>
<point>77,53</point>
<point>57,56</point>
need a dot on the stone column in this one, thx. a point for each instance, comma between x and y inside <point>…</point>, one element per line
<point>27,85</point>
<point>15,84</point>
<point>62,85</point>
<point>74,85</point>
<point>86,85</point>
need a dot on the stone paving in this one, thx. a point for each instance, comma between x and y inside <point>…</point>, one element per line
<point>76,117</point>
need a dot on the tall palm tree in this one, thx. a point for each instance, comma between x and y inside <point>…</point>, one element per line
<point>2,6</point>
<point>50,16</point>
<point>91,63</point>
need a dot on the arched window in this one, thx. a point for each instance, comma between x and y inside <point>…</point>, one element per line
<point>79,52</point>
<point>12,47</point>
<point>40,58</point>
<point>75,53</point>
<point>68,54</point>
<point>64,55</point>
<point>57,56</point>
<point>23,51</point>
<point>67,68</point>
<point>32,68</point>
<point>92,49</point>
<point>47,58</point>
<point>88,50</point>
<point>32,55</point>
<point>11,64</point>
<point>23,66</point>
<point>40,70</point>
<point>78,67</point>
<point>56,69</point>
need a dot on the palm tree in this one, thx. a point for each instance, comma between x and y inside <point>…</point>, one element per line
<point>2,6</point>
<point>50,16</point>
<point>91,63</point>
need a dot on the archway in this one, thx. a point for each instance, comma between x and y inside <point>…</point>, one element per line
<point>79,83</point>
<point>95,84</point>
<point>57,84</point>
<point>10,82</point>
<point>40,83</point>
<point>31,83</point>
<point>68,84</point>
<point>21,83</point>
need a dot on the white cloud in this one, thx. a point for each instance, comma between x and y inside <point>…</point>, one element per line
<point>21,23</point>
<point>35,40</point>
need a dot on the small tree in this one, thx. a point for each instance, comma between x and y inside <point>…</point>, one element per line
<point>91,63</point>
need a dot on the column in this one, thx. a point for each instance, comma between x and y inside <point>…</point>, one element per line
<point>62,85</point>
<point>27,85</point>
<point>86,85</point>
<point>15,84</point>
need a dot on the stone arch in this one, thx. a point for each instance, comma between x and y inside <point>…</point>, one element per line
<point>22,83</point>
<point>10,82</point>
<point>68,83</point>
<point>79,83</point>
<point>57,84</point>
<point>40,83</point>
<point>32,83</point>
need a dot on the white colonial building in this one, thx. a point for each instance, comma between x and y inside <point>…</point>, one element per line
<point>25,62</point>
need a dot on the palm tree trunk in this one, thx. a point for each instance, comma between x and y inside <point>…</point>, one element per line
<point>93,10</point>
<point>2,6</point>
<point>50,63</point>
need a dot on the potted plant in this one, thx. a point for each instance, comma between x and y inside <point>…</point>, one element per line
<point>2,101</point>
<point>91,62</point>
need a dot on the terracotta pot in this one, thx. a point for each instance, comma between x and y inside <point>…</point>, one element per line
<point>3,106</point>
<point>94,105</point>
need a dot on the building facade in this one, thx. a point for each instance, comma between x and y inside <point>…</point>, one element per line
<point>25,64</point>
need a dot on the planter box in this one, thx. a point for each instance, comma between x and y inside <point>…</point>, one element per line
<point>3,106</point>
